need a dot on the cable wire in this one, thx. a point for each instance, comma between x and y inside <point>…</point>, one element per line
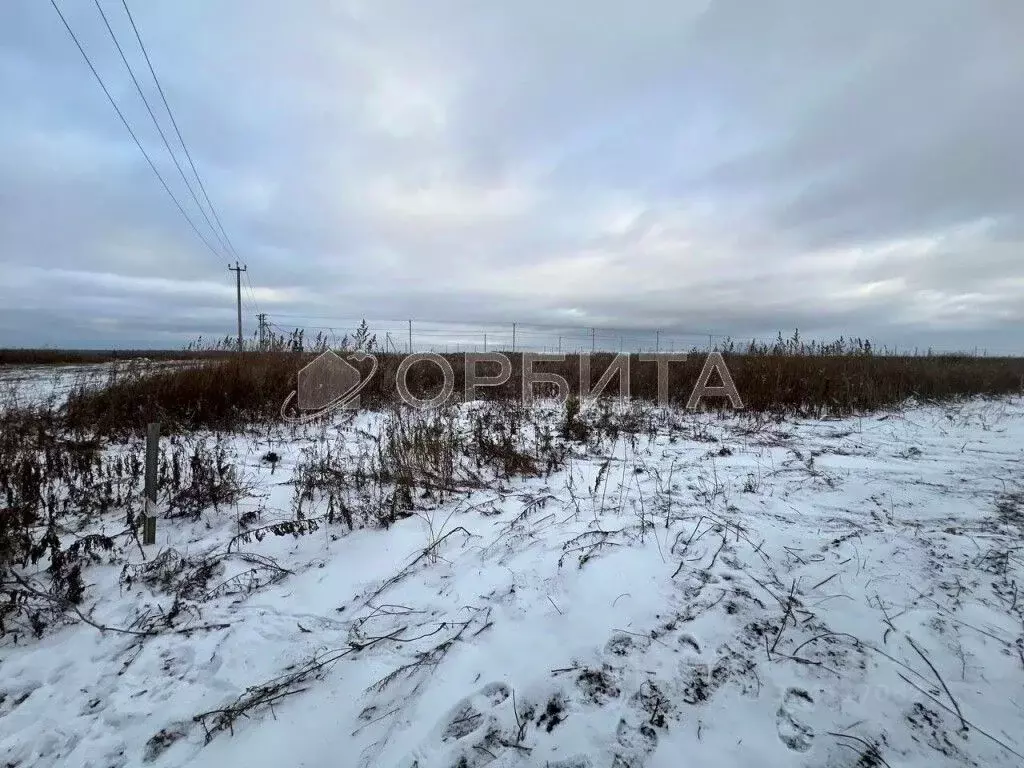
<point>177,131</point>
<point>159,128</point>
<point>252,294</point>
<point>131,132</point>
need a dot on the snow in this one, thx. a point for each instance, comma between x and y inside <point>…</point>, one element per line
<point>713,592</point>
<point>30,385</point>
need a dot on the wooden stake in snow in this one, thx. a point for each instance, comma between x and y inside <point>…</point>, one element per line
<point>149,519</point>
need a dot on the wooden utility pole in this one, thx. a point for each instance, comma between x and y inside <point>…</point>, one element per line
<point>410,337</point>
<point>149,496</point>
<point>238,289</point>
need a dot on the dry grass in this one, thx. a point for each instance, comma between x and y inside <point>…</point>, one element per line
<point>214,394</point>
<point>235,392</point>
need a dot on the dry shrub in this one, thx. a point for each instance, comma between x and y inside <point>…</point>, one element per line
<point>236,392</point>
<point>220,394</point>
<point>418,459</point>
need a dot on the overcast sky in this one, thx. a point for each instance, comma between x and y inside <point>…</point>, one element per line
<point>716,166</point>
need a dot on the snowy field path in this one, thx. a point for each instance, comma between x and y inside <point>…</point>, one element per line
<point>823,594</point>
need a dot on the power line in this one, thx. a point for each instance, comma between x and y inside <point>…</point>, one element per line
<point>252,294</point>
<point>500,326</point>
<point>135,138</point>
<point>219,229</point>
<point>160,130</point>
<point>177,131</point>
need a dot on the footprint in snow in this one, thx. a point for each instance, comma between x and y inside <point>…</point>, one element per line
<point>469,715</point>
<point>794,732</point>
<point>639,739</point>
<point>622,644</point>
<point>689,645</point>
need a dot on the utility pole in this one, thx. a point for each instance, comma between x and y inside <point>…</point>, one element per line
<point>238,289</point>
<point>152,454</point>
<point>262,317</point>
<point>513,337</point>
<point>410,337</point>
<point>593,341</point>
<point>657,342</point>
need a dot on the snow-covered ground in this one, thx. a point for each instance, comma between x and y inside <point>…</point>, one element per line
<point>707,592</point>
<point>27,385</point>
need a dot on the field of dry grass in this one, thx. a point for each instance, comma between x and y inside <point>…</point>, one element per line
<point>230,393</point>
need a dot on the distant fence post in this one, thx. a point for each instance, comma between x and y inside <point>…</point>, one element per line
<point>149,519</point>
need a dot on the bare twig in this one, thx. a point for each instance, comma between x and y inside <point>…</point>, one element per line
<point>871,750</point>
<point>963,723</point>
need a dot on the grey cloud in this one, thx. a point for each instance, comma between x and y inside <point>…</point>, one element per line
<point>402,159</point>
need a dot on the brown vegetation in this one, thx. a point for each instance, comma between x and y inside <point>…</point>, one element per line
<point>812,381</point>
